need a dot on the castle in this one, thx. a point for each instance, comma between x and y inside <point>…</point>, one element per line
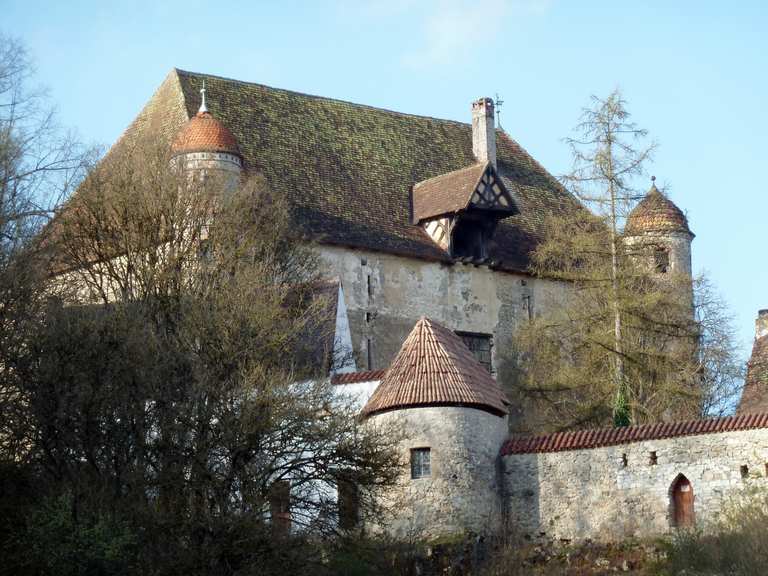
<point>426,227</point>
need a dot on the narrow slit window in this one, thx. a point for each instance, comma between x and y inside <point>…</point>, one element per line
<point>421,466</point>
<point>349,504</point>
<point>280,507</point>
<point>369,353</point>
<point>624,460</point>
<point>744,471</point>
<point>654,459</point>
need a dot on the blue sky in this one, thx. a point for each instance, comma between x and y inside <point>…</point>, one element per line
<point>694,74</point>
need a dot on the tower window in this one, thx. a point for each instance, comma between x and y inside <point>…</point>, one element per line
<point>420,463</point>
<point>661,260</point>
<point>653,460</point>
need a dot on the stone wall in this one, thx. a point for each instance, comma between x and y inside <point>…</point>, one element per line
<point>592,493</point>
<point>463,491</point>
<point>386,294</point>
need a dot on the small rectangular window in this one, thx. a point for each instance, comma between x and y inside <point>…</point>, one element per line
<point>624,460</point>
<point>661,260</point>
<point>653,459</point>
<point>369,353</point>
<point>480,345</point>
<point>280,507</point>
<point>420,463</point>
<point>744,471</point>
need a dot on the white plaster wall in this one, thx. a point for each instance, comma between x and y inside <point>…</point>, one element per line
<point>584,494</point>
<point>463,492</point>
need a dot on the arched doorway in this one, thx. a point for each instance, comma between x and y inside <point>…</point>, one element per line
<point>681,501</point>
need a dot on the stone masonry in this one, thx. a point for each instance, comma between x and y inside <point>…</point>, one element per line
<point>614,492</point>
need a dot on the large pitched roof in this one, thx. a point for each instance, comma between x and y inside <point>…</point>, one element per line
<point>435,368</point>
<point>754,398</point>
<point>347,168</point>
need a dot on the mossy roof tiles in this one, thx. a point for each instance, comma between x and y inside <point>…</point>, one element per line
<point>347,168</point>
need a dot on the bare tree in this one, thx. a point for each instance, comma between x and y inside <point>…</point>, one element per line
<point>624,344</point>
<point>606,157</point>
<point>177,387</point>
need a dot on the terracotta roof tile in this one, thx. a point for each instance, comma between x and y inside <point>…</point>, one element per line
<point>656,213</point>
<point>563,441</point>
<point>755,395</point>
<point>204,133</point>
<point>355,377</point>
<point>435,368</point>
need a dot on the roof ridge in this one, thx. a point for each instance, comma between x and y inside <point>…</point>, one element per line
<point>452,172</point>
<point>318,97</point>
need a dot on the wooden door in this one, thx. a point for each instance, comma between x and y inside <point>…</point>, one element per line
<point>682,503</point>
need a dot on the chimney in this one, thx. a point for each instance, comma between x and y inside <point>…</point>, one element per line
<point>761,324</point>
<point>483,131</point>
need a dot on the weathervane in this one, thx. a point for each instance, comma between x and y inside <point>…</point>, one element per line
<point>203,107</point>
<point>498,103</point>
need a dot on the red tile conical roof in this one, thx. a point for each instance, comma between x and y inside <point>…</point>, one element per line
<point>435,368</point>
<point>656,213</point>
<point>203,133</point>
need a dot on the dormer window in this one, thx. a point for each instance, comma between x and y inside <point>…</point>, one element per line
<point>460,210</point>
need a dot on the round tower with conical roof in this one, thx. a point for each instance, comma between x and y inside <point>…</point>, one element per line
<point>204,146</point>
<point>454,416</point>
<point>659,230</point>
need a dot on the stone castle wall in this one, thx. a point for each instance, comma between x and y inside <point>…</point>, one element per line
<point>463,491</point>
<point>591,493</point>
<point>386,294</point>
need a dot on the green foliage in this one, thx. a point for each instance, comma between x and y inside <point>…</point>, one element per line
<point>54,542</point>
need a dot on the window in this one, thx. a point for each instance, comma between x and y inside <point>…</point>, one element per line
<point>480,345</point>
<point>369,353</point>
<point>527,307</point>
<point>468,240</point>
<point>624,460</point>
<point>653,459</point>
<point>744,471</point>
<point>280,507</point>
<point>349,504</point>
<point>420,463</point>
<point>661,260</point>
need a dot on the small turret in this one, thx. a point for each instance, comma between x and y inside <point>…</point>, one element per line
<point>205,145</point>
<point>658,225</point>
<point>455,416</point>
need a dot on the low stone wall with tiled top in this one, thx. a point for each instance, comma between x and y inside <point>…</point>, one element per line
<point>608,486</point>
